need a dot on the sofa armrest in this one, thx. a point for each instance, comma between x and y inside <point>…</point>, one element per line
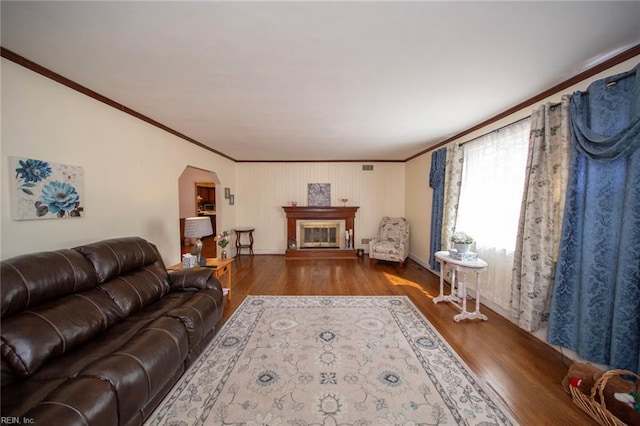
<point>194,279</point>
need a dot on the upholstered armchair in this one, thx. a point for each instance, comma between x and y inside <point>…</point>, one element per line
<point>392,241</point>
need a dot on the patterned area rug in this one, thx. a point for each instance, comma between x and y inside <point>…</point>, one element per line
<point>329,361</point>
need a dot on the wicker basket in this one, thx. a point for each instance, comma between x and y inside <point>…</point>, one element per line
<point>596,408</point>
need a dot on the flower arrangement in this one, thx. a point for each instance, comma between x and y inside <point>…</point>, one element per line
<point>223,239</point>
<point>461,238</point>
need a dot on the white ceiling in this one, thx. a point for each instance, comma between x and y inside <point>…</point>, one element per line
<point>286,81</point>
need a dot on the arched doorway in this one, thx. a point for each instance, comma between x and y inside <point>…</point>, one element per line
<point>198,192</point>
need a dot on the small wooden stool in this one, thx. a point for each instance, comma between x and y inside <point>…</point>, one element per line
<point>239,245</point>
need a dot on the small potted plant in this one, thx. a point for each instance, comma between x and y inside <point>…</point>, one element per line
<point>223,241</point>
<point>461,241</point>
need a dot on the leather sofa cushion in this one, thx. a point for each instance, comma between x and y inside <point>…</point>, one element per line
<point>117,256</point>
<point>33,336</point>
<point>78,402</point>
<point>134,291</point>
<point>33,279</point>
<point>199,314</point>
<point>140,369</point>
<point>153,403</point>
<point>110,341</point>
<point>19,398</point>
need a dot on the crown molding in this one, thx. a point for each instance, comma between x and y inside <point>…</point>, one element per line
<point>20,60</point>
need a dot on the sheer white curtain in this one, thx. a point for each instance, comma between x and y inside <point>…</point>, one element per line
<point>490,199</point>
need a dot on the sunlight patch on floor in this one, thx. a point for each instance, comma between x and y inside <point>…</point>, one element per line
<point>396,280</point>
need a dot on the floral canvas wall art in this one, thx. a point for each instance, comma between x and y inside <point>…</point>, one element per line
<point>46,190</point>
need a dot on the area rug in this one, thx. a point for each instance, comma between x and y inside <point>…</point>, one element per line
<point>329,361</point>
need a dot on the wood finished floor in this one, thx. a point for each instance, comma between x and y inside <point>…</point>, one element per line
<point>524,371</point>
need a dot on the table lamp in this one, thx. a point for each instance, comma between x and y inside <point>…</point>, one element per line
<point>198,227</point>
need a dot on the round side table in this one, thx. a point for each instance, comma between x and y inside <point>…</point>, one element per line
<point>239,245</point>
<point>460,267</point>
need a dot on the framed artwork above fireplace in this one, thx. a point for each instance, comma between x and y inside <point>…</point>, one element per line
<point>319,194</point>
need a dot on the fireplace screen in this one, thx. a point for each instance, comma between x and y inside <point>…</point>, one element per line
<point>319,235</point>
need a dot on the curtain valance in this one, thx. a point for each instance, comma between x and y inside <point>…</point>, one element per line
<point>606,98</point>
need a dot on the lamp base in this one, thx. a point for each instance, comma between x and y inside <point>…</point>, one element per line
<point>198,250</point>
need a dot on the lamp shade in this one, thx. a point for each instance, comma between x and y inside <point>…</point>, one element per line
<point>197,227</point>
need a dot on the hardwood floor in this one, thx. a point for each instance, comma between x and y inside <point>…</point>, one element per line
<point>524,371</point>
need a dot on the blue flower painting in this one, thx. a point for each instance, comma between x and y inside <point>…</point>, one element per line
<point>31,170</point>
<point>58,198</point>
<point>46,190</point>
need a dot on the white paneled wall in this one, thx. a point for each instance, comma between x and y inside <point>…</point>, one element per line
<point>263,188</point>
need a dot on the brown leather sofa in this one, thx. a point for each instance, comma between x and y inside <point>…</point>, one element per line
<point>98,334</point>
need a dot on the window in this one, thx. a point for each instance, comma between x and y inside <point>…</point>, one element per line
<point>489,207</point>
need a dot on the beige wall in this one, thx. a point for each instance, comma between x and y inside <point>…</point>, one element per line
<point>132,171</point>
<point>263,188</point>
<point>131,168</point>
<point>419,194</point>
<point>418,207</point>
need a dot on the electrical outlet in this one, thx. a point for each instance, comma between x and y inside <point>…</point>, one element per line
<point>365,240</point>
<point>367,167</point>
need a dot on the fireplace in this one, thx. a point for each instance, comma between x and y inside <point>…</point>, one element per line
<point>319,234</point>
<point>324,227</point>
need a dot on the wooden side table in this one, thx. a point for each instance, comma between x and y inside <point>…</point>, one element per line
<point>460,266</point>
<point>239,244</point>
<point>220,268</point>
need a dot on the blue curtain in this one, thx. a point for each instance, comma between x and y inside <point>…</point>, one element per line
<point>436,182</point>
<point>596,299</point>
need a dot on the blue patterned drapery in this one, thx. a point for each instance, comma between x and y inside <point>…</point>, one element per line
<point>436,182</point>
<point>596,299</point>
